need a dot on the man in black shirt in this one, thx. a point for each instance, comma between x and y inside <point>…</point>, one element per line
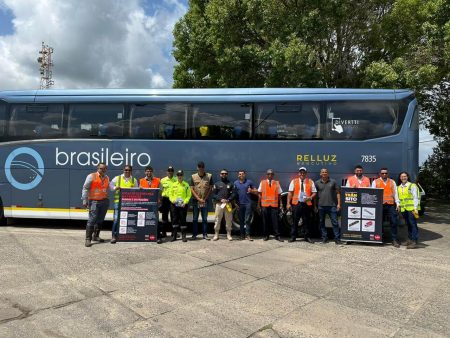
<point>223,195</point>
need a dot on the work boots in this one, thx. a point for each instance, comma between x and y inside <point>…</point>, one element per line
<point>183,235</point>
<point>89,232</point>
<point>97,236</point>
<point>216,236</point>
<point>174,235</point>
<point>229,235</point>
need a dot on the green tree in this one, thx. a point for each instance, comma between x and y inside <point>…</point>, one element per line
<point>323,43</point>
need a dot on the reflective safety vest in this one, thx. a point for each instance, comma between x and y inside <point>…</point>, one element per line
<point>123,184</point>
<point>307,186</point>
<point>154,183</point>
<point>388,190</point>
<point>99,187</point>
<point>269,194</point>
<point>180,190</point>
<point>354,183</point>
<point>407,198</point>
<point>166,182</point>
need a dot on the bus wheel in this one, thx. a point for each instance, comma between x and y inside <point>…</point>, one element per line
<point>2,215</point>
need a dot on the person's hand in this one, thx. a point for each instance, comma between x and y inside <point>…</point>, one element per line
<point>117,188</point>
<point>338,208</point>
<point>397,208</point>
<point>288,206</point>
<point>223,200</point>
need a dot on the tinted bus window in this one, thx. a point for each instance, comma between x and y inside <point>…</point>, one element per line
<point>221,121</point>
<point>2,119</point>
<point>96,120</point>
<point>288,120</point>
<point>158,121</point>
<point>360,120</point>
<point>36,121</point>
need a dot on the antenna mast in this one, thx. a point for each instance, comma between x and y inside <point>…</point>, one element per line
<point>45,66</point>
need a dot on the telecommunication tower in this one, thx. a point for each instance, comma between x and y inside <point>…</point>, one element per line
<point>45,66</point>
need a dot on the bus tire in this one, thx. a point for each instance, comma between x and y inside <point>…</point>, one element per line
<point>3,221</point>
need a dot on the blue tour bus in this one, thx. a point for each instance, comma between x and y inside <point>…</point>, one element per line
<point>51,139</point>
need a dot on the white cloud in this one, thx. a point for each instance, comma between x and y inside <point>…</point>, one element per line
<point>101,43</point>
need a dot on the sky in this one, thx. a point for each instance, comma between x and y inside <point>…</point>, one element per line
<point>97,44</point>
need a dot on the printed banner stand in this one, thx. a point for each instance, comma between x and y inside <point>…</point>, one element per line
<point>362,215</point>
<point>138,215</point>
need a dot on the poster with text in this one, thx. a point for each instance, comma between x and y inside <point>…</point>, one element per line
<point>362,214</point>
<point>138,215</point>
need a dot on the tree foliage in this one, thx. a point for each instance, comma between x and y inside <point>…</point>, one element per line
<point>320,43</point>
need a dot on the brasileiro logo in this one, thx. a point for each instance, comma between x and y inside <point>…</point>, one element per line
<point>35,171</point>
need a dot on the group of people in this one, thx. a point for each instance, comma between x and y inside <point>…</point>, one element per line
<point>304,196</point>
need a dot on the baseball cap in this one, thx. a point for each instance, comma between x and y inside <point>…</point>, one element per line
<point>180,173</point>
<point>170,168</point>
<point>269,171</point>
<point>302,168</point>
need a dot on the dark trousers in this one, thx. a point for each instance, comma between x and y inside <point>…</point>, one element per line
<point>413,230</point>
<point>270,217</point>
<point>165,211</point>
<point>245,217</point>
<point>332,212</point>
<point>303,211</point>
<point>196,211</point>
<point>179,217</point>
<point>97,213</point>
<point>389,209</point>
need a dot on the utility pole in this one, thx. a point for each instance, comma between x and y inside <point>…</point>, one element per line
<point>45,66</point>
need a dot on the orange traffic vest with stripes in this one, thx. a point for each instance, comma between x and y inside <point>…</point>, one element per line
<point>354,183</point>
<point>388,190</point>
<point>99,188</point>
<point>143,183</point>
<point>269,194</point>
<point>308,190</point>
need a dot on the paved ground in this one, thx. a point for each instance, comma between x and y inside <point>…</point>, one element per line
<point>52,286</point>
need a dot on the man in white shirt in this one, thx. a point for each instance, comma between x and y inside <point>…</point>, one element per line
<point>302,191</point>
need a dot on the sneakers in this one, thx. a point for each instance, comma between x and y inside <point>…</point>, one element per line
<point>412,245</point>
<point>216,237</point>
<point>324,241</point>
<point>292,239</point>
<point>229,238</point>
<point>159,241</point>
<point>88,243</point>
<point>205,237</point>
<point>113,240</point>
<point>338,242</point>
<point>98,239</point>
<point>408,242</point>
<point>266,238</point>
<point>309,240</point>
<point>193,237</point>
<point>248,238</point>
<point>278,238</point>
<point>396,244</point>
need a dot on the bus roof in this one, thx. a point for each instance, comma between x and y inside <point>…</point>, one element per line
<point>26,95</point>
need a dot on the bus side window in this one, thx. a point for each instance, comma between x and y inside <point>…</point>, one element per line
<point>2,119</point>
<point>221,121</point>
<point>288,120</point>
<point>158,121</point>
<point>96,120</point>
<point>36,121</point>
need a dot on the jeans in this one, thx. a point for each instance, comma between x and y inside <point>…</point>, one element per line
<point>389,209</point>
<point>332,212</point>
<point>413,230</point>
<point>245,216</point>
<point>204,211</point>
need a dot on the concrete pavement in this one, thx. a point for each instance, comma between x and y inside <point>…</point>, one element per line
<point>52,286</point>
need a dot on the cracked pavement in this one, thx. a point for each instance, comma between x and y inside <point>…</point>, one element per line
<point>52,286</point>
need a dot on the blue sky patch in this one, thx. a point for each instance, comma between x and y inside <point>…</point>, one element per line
<point>6,17</point>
